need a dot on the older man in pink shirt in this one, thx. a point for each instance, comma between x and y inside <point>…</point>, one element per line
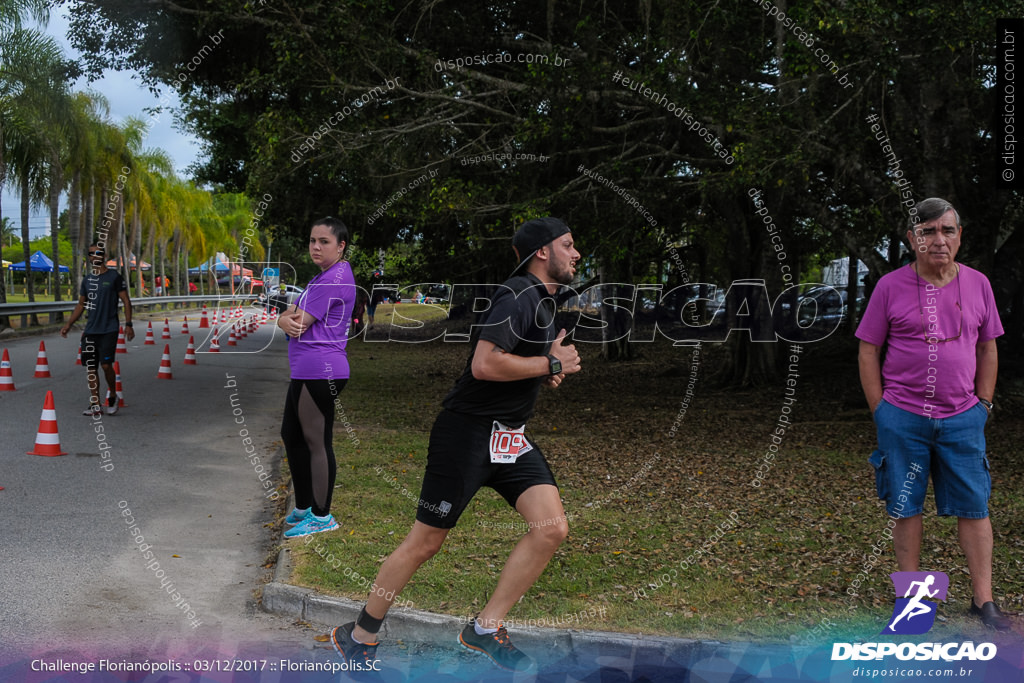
<point>933,395</point>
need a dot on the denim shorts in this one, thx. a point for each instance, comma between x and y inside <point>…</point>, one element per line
<point>950,449</point>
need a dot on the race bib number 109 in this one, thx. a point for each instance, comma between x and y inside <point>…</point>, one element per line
<point>507,444</point>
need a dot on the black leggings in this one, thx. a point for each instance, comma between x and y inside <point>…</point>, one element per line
<point>307,431</point>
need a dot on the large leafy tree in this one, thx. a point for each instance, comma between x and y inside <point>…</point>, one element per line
<point>395,163</point>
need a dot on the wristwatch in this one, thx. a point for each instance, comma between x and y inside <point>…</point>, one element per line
<point>986,403</point>
<point>128,323</point>
<point>554,365</point>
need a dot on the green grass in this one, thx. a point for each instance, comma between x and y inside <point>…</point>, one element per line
<point>781,570</point>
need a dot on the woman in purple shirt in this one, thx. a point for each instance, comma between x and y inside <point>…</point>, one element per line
<point>318,328</point>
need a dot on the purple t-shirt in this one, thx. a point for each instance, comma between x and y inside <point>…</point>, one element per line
<point>930,379</point>
<point>319,352</point>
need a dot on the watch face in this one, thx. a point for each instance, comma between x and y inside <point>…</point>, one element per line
<point>555,365</point>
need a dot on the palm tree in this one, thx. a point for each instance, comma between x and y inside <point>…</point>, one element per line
<point>88,111</point>
<point>30,64</point>
<point>141,201</point>
<point>8,230</point>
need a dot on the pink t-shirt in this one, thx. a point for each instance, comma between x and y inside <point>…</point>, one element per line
<point>928,378</point>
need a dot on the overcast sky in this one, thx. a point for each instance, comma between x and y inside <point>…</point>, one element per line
<point>127,97</point>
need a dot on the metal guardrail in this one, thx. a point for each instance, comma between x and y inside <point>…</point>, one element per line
<point>140,303</point>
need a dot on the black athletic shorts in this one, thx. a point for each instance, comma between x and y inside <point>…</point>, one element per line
<point>99,347</point>
<point>459,463</point>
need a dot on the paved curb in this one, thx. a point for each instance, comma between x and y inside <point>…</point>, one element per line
<point>413,625</point>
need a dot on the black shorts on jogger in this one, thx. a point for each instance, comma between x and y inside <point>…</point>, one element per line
<point>98,349</point>
<point>459,463</point>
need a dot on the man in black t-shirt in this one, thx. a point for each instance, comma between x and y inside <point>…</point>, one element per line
<point>479,440</point>
<point>100,292</point>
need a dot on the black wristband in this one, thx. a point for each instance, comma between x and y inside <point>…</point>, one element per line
<point>368,623</point>
<point>128,323</point>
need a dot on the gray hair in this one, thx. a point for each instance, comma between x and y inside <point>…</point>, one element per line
<point>930,209</point>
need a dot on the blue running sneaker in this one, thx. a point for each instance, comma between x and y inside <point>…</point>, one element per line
<point>296,516</point>
<point>359,656</point>
<point>312,525</point>
<point>497,646</point>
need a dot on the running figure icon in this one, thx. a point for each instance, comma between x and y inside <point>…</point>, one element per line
<point>915,607</point>
<point>916,588</point>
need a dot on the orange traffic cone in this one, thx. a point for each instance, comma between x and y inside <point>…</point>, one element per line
<point>190,352</point>
<point>42,367</point>
<point>150,341</point>
<point>166,334</point>
<point>215,342</point>
<point>47,438</point>
<point>118,389</point>
<point>232,340</point>
<point>78,360</point>
<point>204,321</point>
<point>165,364</point>
<point>6,378</point>
<point>184,325</point>
<point>121,346</point>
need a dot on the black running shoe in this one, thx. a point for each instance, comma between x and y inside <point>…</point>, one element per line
<point>359,656</point>
<point>496,646</point>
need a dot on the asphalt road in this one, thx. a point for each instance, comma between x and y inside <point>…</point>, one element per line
<point>73,575</point>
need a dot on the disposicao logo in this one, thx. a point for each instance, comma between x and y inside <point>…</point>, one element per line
<point>914,614</point>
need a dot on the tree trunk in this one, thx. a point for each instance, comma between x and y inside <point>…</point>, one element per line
<point>137,248</point>
<point>851,291</point>
<point>177,268</point>
<point>75,231</point>
<point>56,183</point>
<point>5,320</point>
<point>89,227</point>
<point>151,249</point>
<point>163,276</point>
<point>125,258</point>
<point>33,318</point>
<point>615,329</point>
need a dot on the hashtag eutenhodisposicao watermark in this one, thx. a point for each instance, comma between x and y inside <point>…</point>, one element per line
<point>145,549</point>
<point>621,191</point>
<point>681,113</point>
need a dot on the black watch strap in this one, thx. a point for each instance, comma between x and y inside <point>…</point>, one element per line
<point>554,365</point>
<point>985,402</point>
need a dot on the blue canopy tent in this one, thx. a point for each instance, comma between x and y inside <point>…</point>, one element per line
<point>41,263</point>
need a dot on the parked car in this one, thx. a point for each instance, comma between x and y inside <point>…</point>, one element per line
<point>282,298</point>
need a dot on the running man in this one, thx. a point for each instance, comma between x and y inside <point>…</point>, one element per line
<point>915,607</point>
<point>101,289</point>
<point>478,440</point>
